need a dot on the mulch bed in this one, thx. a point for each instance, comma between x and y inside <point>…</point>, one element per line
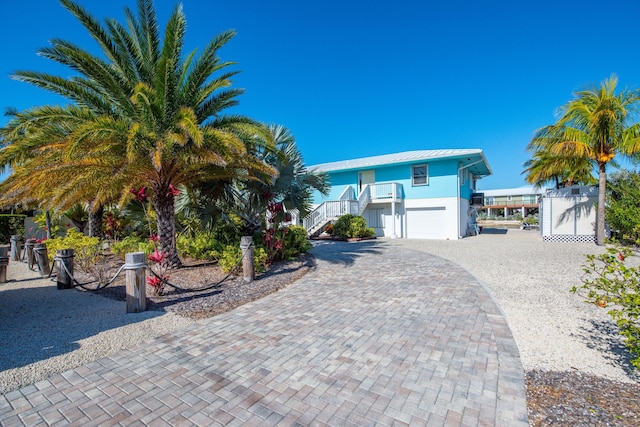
<point>553,398</point>
<point>227,293</point>
<point>577,399</point>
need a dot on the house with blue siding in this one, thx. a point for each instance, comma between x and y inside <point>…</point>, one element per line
<point>424,194</point>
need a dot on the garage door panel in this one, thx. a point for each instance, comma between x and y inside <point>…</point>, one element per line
<point>426,223</point>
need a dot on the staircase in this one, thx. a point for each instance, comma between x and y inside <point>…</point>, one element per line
<point>331,210</point>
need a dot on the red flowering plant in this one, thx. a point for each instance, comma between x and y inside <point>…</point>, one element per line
<point>161,271</point>
<point>274,232</point>
<point>142,197</point>
<point>113,225</point>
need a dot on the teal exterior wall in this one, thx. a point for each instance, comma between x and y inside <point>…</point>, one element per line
<point>442,180</point>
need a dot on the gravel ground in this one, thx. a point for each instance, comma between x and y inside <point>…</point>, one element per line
<point>577,368</point>
<point>531,281</point>
<point>44,331</point>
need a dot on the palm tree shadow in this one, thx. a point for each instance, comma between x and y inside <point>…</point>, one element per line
<point>577,211</point>
<point>604,337</point>
<point>345,253</point>
<point>37,323</point>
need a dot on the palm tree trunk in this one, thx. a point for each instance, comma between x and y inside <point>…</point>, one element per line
<point>600,236</point>
<point>165,219</point>
<point>95,221</point>
<point>47,223</point>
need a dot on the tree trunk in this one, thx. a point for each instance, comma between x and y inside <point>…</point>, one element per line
<point>95,221</point>
<point>47,222</point>
<point>600,235</point>
<point>165,219</point>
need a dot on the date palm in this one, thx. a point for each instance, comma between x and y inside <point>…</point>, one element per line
<point>598,124</point>
<point>143,115</point>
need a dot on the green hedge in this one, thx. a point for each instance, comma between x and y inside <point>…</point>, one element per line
<point>11,224</point>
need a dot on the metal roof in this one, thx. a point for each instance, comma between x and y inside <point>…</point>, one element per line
<point>519,191</point>
<point>469,156</point>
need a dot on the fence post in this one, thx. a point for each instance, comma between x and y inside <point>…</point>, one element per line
<point>135,282</point>
<point>42,258</point>
<point>64,268</point>
<point>4,262</point>
<point>16,247</point>
<point>30,243</point>
<point>248,270</point>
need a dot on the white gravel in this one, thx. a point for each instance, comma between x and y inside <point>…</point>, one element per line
<point>44,330</point>
<point>531,281</point>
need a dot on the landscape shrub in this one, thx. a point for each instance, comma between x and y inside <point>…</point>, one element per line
<point>201,245</point>
<point>132,244</point>
<point>351,226</point>
<point>11,224</point>
<point>87,253</point>
<point>232,254</point>
<point>623,206</point>
<point>287,243</point>
<point>610,283</point>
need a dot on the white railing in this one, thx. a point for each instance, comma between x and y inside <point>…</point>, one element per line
<point>336,208</point>
<point>328,210</point>
<point>364,198</point>
<point>385,191</point>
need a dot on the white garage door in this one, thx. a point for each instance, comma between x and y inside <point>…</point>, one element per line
<point>426,223</point>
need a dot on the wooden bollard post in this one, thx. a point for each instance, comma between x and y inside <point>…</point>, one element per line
<point>64,268</point>
<point>4,262</point>
<point>136,283</point>
<point>248,270</point>
<point>42,259</point>
<point>29,244</point>
<point>16,247</point>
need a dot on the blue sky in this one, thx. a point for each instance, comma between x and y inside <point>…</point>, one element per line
<point>358,78</point>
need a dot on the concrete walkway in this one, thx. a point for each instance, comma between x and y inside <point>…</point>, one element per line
<point>376,335</point>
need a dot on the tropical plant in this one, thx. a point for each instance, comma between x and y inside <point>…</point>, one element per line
<point>596,125</point>
<point>623,207</point>
<point>144,115</point>
<point>78,216</point>
<point>612,282</point>
<point>351,226</point>
<point>562,170</point>
<point>290,189</point>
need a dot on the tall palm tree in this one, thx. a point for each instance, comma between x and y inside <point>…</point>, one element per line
<point>144,116</point>
<point>597,124</point>
<point>563,171</point>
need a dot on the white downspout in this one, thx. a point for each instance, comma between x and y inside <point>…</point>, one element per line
<point>460,169</point>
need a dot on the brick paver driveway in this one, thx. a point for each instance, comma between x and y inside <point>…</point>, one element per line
<point>375,335</point>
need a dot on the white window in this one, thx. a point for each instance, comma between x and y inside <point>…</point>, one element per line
<point>419,175</point>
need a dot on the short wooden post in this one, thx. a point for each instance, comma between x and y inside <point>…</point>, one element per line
<point>64,268</point>
<point>16,247</point>
<point>4,262</point>
<point>42,258</point>
<point>30,243</point>
<point>248,270</point>
<point>135,282</point>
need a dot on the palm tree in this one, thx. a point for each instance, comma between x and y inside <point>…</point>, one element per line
<point>145,116</point>
<point>563,171</point>
<point>596,125</point>
<point>291,188</point>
